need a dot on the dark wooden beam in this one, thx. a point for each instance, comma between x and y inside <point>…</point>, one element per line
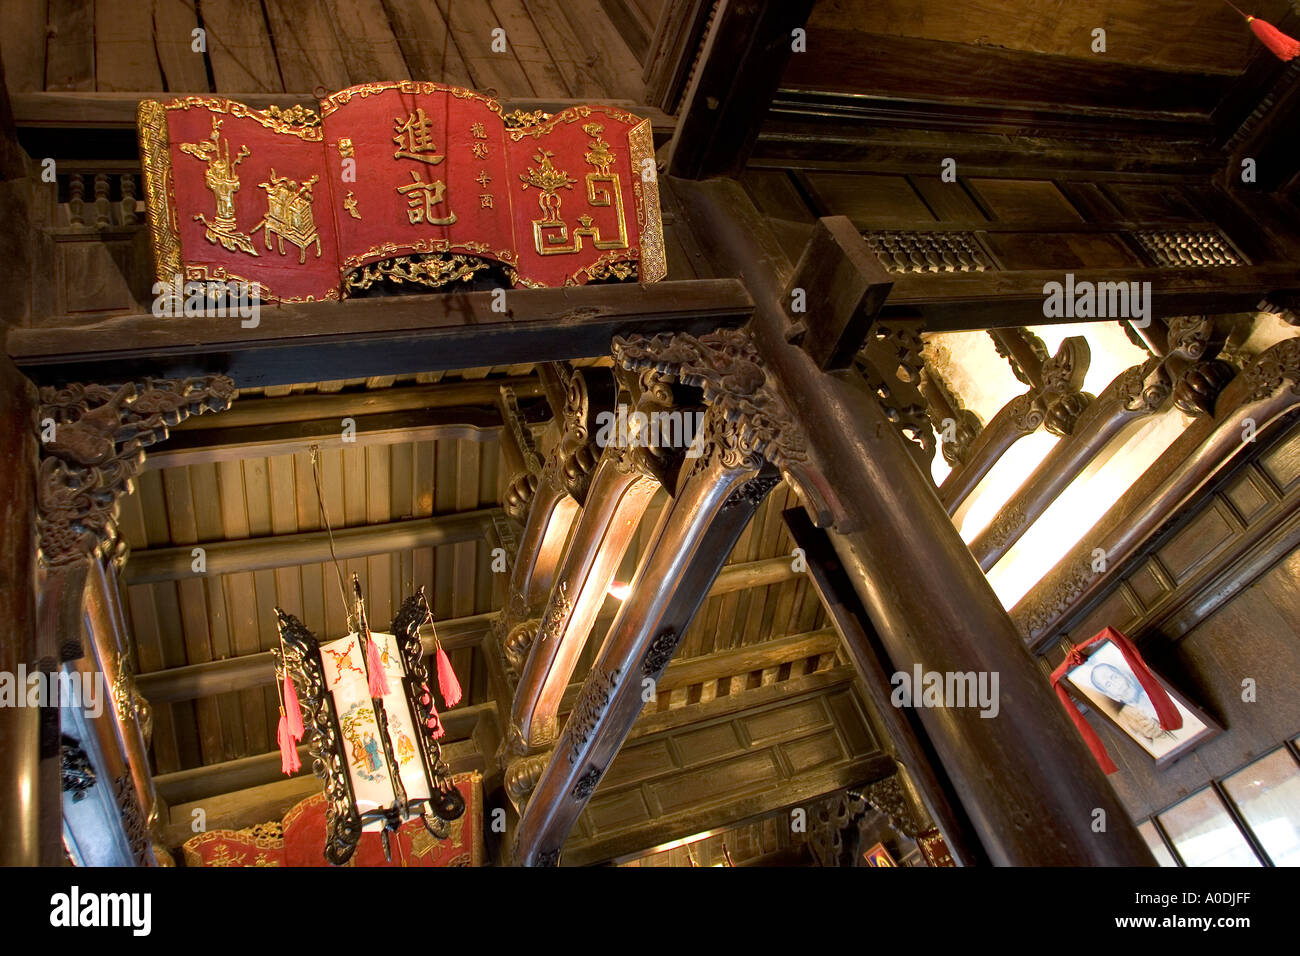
<point>901,728</point>
<point>927,69</point>
<point>308,547</point>
<point>196,783</point>
<point>396,335</point>
<point>258,670</point>
<point>218,443</point>
<point>744,53</point>
<point>310,406</point>
<point>984,300</point>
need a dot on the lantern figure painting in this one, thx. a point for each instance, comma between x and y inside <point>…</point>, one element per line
<point>374,725</point>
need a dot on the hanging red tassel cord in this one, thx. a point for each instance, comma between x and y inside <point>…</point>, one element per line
<point>1170,718</point>
<point>377,680</point>
<point>290,762</point>
<point>447,682</point>
<point>291,709</point>
<point>1283,47</point>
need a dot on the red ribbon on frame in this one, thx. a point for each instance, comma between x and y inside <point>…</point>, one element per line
<point>1170,718</point>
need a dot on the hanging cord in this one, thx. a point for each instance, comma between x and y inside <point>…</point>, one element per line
<point>320,504</point>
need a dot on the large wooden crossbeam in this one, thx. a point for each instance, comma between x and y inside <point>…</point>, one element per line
<point>395,335</point>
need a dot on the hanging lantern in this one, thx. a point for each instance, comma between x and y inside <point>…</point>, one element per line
<point>366,702</point>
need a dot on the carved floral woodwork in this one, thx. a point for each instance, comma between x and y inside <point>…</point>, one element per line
<point>890,362</point>
<point>1194,342</point>
<point>522,484</point>
<point>1062,392</point>
<point>1188,248</point>
<point>921,252</point>
<point>1043,611</point>
<point>94,438</point>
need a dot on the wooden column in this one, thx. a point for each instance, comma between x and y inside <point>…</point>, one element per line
<point>92,446</point>
<point>716,496</point>
<point>1026,781</point>
<point>21,823</point>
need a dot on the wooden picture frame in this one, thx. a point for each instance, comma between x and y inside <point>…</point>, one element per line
<point>1124,705</point>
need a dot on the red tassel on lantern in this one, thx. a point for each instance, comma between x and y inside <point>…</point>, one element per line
<point>291,709</point>
<point>1282,46</point>
<point>378,681</point>
<point>434,723</point>
<point>290,763</point>
<point>447,683</point>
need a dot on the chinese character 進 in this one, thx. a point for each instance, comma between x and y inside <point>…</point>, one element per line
<point>414,139</point>
<point>421,197</point>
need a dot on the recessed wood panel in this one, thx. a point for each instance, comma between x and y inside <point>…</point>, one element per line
<point>815,751</point>
<point>640,762</point>
<point>786,720</point>
<point>1059,250</point>
<point>1147,584</point>
<point>755,771</point>
<point>1248,496</point>
<point>1024,200</point>
<point>1196,542</point>
<point>616,810</point>
<point>869,200</point>
<point>708,743</point>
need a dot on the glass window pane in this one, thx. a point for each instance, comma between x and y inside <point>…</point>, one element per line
<point>1205,834</point>
<point>1157,845</point>
<point>1267,793</point>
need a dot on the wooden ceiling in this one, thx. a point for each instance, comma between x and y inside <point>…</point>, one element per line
<point>1197,36</point>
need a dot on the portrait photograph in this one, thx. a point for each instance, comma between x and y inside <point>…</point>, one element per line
<point>1110,688</point>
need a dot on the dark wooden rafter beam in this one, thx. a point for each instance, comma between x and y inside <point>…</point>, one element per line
<point>398,335</point>
<point>254,670</point>
<point>961,302</point>
<point>194,681</point>
<point>901,727</point>
<point>744,53</point>
<point>288,438</point>
<point>308,547</point>
<point>311,406</point>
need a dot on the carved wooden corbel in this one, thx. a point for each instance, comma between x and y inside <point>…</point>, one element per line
<point>1192,358</point>
<point>891,364</point>
<point>521,455</point>
<point>92,446</point>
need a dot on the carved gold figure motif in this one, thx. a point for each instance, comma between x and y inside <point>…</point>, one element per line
<point>350,204</point>
<point>221,179</point>
<point>414,139</point>
<point>603,189</point>
<point>289,215</point>
<point>421,197</point>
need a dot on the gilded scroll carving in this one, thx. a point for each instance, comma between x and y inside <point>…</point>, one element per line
<point>93,441</point>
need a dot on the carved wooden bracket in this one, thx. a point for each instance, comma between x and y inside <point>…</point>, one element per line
<point>92,445</point>
<point>837,288</point>
<point>892,366</point>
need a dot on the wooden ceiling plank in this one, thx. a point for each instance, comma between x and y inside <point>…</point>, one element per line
<point>70,47</point>
<point>471,29</point>
<point>525,44</point>
<point>306,45</point>
<point>576,70</point>
<point>422,34</point>
<point>444,501</point>
<point>610,59</point>
<point>183,69</point>
<point>150,657</point>
<point>371,52</point>
<point>466,553</point>
<point>239,47</point>
<point>22,46</point>
<point>125,53</point>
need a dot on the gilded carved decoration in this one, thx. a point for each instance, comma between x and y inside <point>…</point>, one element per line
<point>432,270</point>
<point>133,820</point>
<point>93,441</point>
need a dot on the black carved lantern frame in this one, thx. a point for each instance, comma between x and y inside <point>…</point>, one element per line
<point>301,660</point>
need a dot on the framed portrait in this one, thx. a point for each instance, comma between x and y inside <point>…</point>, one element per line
<point>1107,684</point>
<point>878,856</point>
